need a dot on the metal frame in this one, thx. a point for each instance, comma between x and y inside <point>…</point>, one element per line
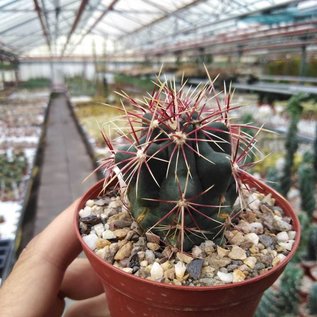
<point>169,28</point>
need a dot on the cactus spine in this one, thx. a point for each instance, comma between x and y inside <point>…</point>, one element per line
<point>180,163</point>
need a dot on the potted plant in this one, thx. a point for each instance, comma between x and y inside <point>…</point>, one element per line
<point>177,227</point>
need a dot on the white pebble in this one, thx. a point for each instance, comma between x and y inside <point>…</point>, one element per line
<point>91,240</point>
<point>99,229</point>
<point>225,277</point>
<point>86,212</point>
<point>278,259</point>
<point>156,271</point>
<point>180,269</point>
<point>101,252</point>
<point>90,203</point>
<point>237,253</point>
<point>253,237</point>
<point>256,227</point>
<point>281,256</point>
<point>209,246</point>
<point>250,261</point>
<point>108,235</point>
<point>282,236</point>
<point>287,245</point>
<point>281,224</point>
<point>127,270</point>
<point>254,202</point>
<point>106,225</point>
<point>292,235</point>
<point>149,256</point>
<point>196,252</point>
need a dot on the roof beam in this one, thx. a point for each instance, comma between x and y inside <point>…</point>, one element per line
<point>81,9</point>
<point>107,10</point>
<point>162,18</point>
<point>222,20</point>
<point>43,26</point>
<point>166,12</point>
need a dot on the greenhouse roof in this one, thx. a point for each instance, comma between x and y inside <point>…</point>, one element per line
<point>82,27</point>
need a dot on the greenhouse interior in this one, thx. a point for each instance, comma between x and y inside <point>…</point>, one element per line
<point>207,108</point>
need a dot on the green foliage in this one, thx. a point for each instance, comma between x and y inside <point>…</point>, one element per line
<point>311,254</point>
<point>285,300</point>
<point>291,146</point>
<point>35,83</point>
<point>290,66</point>
<point>306,175</point>
<point>273,178</point>
<point>145,84</point>
<point>312,300</point>
<point>294,108</point>
<point>315,152</point>
<point>80,86</point>
<point>301,252</point>
<point>12,170</point>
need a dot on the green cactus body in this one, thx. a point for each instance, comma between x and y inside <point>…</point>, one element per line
<point>285,300</point>
<point>291,146</point>
<point>315,153</point>
<point>311,254</point>
<point>312,300</point>
<point>295,109</point>
<point>307,184</point>
<point>181,174</point>
<point>180,164</point>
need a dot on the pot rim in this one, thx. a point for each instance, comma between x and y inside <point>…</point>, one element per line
<point>275,269</point>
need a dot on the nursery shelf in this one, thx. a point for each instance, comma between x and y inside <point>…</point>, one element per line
<point>22,120</point>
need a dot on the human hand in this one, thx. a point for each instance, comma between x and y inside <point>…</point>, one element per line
<point>46,273</point>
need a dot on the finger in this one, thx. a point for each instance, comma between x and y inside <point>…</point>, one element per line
<point>80,281</point>
<point>92,307</point>
<point>38,273</point>
<point>57,243</point>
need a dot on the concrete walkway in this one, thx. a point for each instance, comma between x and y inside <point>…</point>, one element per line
<point>66,163</point>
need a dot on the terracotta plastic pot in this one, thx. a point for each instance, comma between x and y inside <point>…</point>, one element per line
<point>129,295</point>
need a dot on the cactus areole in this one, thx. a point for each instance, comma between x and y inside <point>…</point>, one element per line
<point>179,160</point>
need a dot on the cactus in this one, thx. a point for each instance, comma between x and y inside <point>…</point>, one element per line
<point>315,153</point>
<point>273,178</point>
<point>311,254</point>
<point>294,109</point>
<point>312,300</point>
<point>306,175</point>
<point>306,227</point>
<point>180,163</point>
<point>285,300</point>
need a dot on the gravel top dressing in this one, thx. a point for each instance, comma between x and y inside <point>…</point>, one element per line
<point>257,238</point>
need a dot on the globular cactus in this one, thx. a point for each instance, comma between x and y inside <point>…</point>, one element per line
<point>180,163</point>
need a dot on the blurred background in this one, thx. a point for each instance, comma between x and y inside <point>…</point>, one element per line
<point>62,62</point>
